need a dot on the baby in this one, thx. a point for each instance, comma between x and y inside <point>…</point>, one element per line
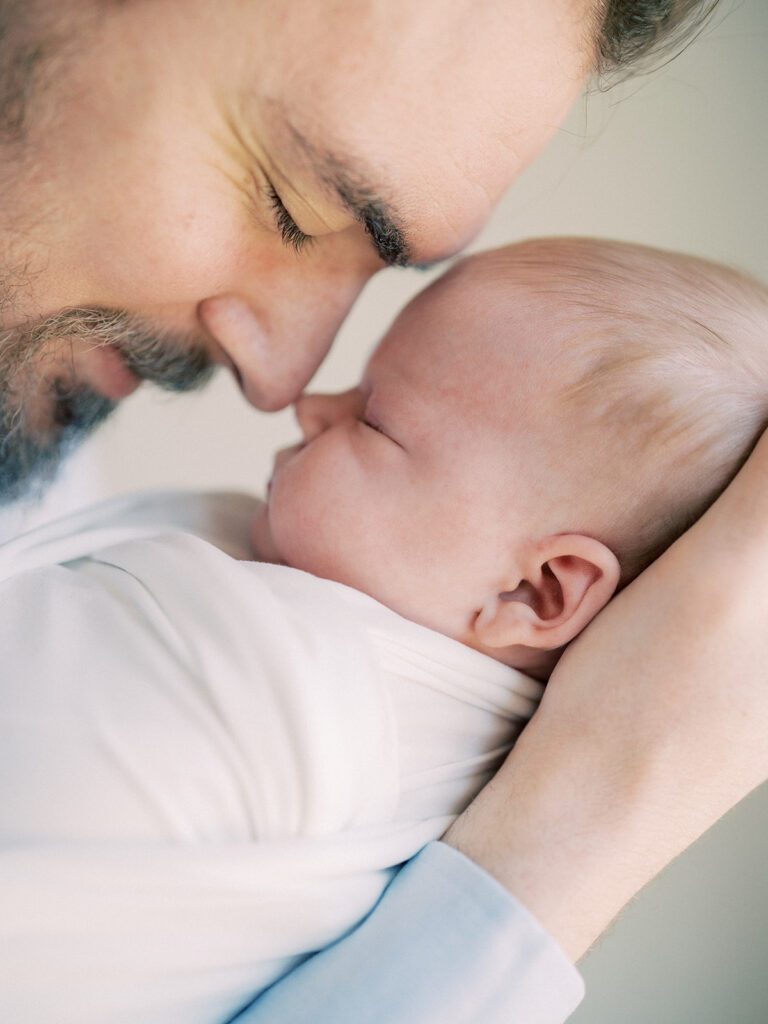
<point>534,429</point>
<point>212,765</point>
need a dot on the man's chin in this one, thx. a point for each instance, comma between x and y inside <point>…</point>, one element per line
<point>26,476</point>
<point>30,464</point>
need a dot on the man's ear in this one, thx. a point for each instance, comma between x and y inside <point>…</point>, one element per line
<point>568,579</point>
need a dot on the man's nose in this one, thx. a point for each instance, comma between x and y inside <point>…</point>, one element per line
<point>275,339</point>
<point>317,413</point>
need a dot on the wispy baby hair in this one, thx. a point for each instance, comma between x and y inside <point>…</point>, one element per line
<point>670,366</point>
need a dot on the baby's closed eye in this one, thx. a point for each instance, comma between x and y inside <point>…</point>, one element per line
<point>368,422</point>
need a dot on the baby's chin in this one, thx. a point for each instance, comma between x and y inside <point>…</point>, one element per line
<point>262,542</point>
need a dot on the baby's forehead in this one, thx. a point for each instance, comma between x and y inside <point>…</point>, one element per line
<point>483,343</point>
<point>506,311</point>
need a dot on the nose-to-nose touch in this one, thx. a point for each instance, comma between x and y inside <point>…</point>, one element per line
<point>316,413</point>
<point>276,338</point>
<point>271,363</point>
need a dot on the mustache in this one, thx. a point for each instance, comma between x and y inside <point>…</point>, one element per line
<point>29,457</point>
<point>172,360</point>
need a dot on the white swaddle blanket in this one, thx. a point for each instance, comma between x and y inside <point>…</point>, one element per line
<point>210,767</point>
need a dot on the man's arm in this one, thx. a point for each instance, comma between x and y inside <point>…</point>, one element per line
<point>654,724</point>
<point>446,943</point>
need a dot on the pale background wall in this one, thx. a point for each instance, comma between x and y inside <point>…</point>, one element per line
<point>679,159</point>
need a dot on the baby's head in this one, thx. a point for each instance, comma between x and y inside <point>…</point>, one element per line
<point>535,428</point>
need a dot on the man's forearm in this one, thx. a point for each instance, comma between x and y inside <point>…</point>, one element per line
<point>573,877</point>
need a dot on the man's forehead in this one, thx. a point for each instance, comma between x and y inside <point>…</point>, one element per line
<point>466,90</point>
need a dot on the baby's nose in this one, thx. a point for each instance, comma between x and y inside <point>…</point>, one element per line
<point>316,413</point>
<point>312,415</point>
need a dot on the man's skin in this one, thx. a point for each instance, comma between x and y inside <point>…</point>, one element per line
<point>146,186</point>
<point>141,183</point>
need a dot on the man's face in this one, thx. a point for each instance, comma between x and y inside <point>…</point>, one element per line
<point>215,183</point>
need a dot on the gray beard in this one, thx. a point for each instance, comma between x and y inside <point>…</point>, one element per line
<point>30,457</point>
<point>28,463</point>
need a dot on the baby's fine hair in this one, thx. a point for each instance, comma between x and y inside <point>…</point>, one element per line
<point>671,366</point>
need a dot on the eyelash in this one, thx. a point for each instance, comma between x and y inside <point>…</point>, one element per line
<point>290,231</point>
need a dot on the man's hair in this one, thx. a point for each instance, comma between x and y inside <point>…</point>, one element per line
<point>637,35</point>
<point>666,376</point>
<point>36,38</point>
<point>20,56</point>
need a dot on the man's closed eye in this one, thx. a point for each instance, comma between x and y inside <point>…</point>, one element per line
<point>290,231</point>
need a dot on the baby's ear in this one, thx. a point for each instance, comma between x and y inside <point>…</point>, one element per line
<point>568,579</point>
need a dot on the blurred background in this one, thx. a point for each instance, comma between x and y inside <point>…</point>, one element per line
<point>677,159</point>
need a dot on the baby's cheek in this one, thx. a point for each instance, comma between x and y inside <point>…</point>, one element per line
<point>301,516</point>
<point>262,542</point>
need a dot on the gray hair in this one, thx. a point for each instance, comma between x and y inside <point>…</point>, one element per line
<point>637,35</point>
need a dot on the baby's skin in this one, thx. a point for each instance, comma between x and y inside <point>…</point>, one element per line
<point>489,475</point>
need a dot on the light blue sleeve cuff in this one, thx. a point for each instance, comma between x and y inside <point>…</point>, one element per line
<point>445,943</point>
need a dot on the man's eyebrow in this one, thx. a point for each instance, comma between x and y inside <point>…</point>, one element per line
<point>376,216</point>
<point>380,224</point>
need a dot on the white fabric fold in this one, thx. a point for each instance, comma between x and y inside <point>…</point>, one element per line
<point>210,767</point>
